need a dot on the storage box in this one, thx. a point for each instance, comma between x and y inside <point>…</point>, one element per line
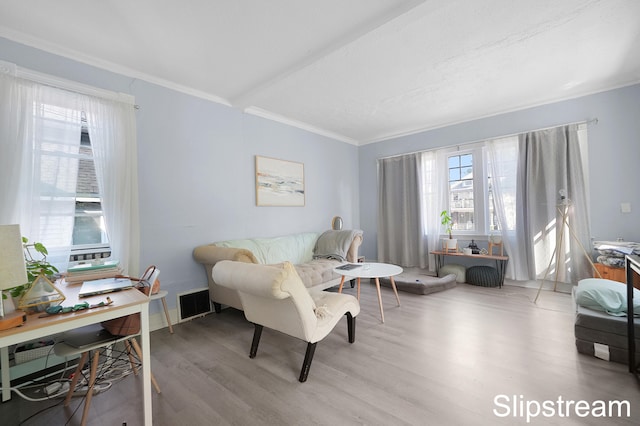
<point>34,350</point>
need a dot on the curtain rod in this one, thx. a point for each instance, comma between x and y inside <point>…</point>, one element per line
<point>64,84</point>
<point>586,122</point>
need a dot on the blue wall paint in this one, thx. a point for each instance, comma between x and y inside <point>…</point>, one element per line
<point>614,156</point>
<point>196,170</point>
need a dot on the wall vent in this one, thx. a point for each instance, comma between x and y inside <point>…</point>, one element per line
<point>193,304</point>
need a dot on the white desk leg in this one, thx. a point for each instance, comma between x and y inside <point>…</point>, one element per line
<point>6,373</point>
<point>146,364</point>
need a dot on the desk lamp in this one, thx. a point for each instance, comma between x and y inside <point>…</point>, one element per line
<point>13,271</point>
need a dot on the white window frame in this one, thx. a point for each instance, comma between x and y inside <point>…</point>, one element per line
<point>480,190</point>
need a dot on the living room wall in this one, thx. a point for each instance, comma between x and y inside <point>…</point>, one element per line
<point>196,169</point>
<point>614,155</point>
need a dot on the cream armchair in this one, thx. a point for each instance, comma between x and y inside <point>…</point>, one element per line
<point>274,296</point>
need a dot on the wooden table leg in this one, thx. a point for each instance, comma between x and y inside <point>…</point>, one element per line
<point>358,288</point>
<point>341,284</point>
<point>395,290</point>
<point>379,299</point>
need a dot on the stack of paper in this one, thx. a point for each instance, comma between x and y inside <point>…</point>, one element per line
<point>92,271</point>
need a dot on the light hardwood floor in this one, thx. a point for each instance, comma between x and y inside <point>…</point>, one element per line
<point>438,359</point>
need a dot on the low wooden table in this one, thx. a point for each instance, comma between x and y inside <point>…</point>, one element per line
<point>501,261</point>
<point>372,270</point>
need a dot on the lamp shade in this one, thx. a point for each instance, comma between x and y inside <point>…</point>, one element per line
<point>13,270</point>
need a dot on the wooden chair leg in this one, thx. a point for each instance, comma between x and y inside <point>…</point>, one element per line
<point>138,350</point>
<point>76,377</point>
<point>132,359</point>
<point>92,382</point>
<point>257,332</point>
<point>166,314</point>
<point>306,365</point>
<point>351,327</point>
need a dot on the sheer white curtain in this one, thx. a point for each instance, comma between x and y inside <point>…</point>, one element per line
<point>502,164</point>
<point>112,131</point>
<point>40,130</point>
<point>11,146</point>
<point>435,198</point>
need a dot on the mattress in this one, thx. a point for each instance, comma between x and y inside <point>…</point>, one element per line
<point>604,336</point>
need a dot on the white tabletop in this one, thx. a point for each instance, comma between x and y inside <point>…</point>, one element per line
<point>371,270</point>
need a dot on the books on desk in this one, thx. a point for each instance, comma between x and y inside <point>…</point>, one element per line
<point>92,271</point>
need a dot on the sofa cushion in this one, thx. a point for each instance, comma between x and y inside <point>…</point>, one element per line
<point>296,248</point>
<point>317,271</point>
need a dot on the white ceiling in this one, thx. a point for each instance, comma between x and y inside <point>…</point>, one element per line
<point>356,70</point>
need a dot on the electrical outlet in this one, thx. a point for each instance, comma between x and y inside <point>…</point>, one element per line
<point>625,207</point>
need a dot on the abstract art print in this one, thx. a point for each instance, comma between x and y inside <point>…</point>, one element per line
<point>279,182</point>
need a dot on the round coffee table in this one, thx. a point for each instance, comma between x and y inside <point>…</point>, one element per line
<point>371,270</point>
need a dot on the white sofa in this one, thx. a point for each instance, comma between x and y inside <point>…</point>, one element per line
<point>314,256</point>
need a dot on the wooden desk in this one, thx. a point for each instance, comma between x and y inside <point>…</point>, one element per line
<point>501,261</point>
<point>124,303</point>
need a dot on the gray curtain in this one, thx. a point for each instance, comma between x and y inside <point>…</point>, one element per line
<point>401,234</point>
<point>550,161</point>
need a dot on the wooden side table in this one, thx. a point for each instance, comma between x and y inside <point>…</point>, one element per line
<point>610,272</point>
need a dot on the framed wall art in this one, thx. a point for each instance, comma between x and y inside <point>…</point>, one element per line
<point>279,182</point>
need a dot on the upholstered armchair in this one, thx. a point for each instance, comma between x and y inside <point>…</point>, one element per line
<point>274,296</point>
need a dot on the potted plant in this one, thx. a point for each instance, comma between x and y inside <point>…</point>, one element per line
<point>448,244</point>
<point>36,266</point>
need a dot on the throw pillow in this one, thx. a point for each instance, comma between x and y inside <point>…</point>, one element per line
<point>606,295</point>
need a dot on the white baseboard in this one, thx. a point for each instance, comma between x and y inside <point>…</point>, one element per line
<point>158,321</point>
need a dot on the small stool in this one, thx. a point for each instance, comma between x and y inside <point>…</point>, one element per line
<point>162,294</point>
<point>485,276</point>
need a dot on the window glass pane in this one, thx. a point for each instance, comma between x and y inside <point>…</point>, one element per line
<point>89,220</point>
<point>461,202</point>
<point>454,174</point>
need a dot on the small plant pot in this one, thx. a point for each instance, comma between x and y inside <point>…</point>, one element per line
<point>450,245</point>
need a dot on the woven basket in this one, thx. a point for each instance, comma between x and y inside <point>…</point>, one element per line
<point>31,354</point>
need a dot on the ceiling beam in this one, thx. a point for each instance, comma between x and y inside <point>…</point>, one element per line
<point>246,99</point>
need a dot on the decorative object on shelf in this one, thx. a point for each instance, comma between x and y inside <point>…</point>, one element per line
<point>474,247</point>
<point>40,295</point>
<point>59,309</point>
<point>448,244</point>
<point>495,240</point>
<point>279,182</point>
<point>13,272</point>
<point>336,223</point>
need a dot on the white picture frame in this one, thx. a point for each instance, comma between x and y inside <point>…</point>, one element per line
<point>279,182</point>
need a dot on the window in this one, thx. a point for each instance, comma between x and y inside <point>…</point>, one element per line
<point>44,157</point>
<point>461,205</point>
<point>470,194</point>
<point>68,185</point>
<point>89,225</point>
